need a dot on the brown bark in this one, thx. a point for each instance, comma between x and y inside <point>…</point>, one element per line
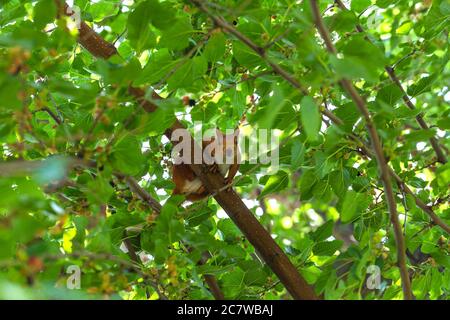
<point>210,280</point>
<point>218,21</point>
<point>441,157</point>
<point>379,155</point>
<point>228,199</point>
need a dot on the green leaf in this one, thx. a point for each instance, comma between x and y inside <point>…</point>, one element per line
<point>161,14</point>
<point>9,89</point>
<point>435,21</point>
<point>445,8</point>
<point>297,154</point>
<point>365,50</point>
<point>267,116</point>
<point>310,117</point>
<point>362,59</point>
<point>353,68</point>
<point>254,274</point>
<point>275,183</point>
<point>229,230</point>
<point>139,32</point>
<point>199,215</point>
<point>327,248</point>
<point>307,181</point>
<point>360,5</point>
<point>338,182</point>
<point>99,190</point>
<point>158,66</point>
<point>343,21</point>
<point>102,10</point>
<point>161,251</point>
<point>189,75</point>
<point>390,94</point>
<point>419,135</point>
<point>127,156</point>
<point>404,28</point>
<point>44,13</point>
<point>404,112</point>
<point>215,48</point>
<point>232,282</point>
<point>444,124</point>
<point>350,206</point>
<point>323,232</point>
<point>155,123</point>
<point>177,36</point>
<point>245,56</point>
<point>348,114</point>
<point>424,85</point>
<point>385,3</point>
<point>11,11</point>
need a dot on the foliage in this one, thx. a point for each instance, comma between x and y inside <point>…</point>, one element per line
<point>70,131</point>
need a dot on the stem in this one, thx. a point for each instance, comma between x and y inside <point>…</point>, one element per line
<point>327,113</point>
<point>52,114</point>
<point>441,157</point>
<point>379,155</point>
<point>220,22</point>
<point>233,205</point>
<point>156,206</point>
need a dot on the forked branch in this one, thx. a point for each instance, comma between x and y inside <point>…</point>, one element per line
<point>379,155</point>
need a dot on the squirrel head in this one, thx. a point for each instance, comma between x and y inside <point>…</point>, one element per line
<point>225,146</point>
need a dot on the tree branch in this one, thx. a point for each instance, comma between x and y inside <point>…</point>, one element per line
<point>233,205</point>
<point>52,114</point>
<point>335,119</point>
<point>441,157</point>
<point>379,155</point>
<point>87,37</point>
<point>220,22</point>
<point>156,206</point>
<point>150,106</point>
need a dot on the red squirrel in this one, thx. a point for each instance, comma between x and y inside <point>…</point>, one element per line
<point>189,185</point>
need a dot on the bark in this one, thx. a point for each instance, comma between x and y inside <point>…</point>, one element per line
<point>441,157</point>
<point>379,156</point>
<point>228,199</point>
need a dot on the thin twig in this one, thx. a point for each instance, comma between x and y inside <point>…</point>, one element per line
<point>379,155</point>
<point>395,64</point>
<point>52,114</point>
<point>359,141</point>
<point>220,22</point>
<point>156,206</point>
<point>441,157</point>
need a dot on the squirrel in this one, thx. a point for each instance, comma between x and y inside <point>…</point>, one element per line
<point>189,185</point>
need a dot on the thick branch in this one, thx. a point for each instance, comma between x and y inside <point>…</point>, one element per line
<point>156,206</point>
<point>419,118</point>
<point>88,38</point>
<point>428,210</point>
<point>379,155</point>
<point>229,200</point>
<point>227,27</point>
